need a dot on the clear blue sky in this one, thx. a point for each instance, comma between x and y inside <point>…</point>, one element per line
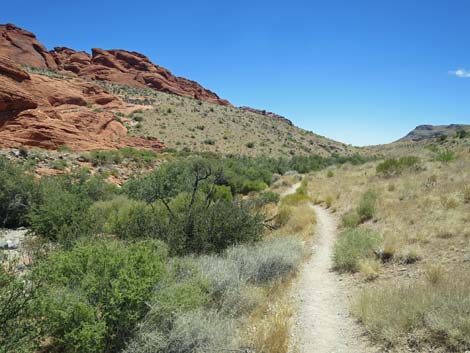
<point>362,71</point>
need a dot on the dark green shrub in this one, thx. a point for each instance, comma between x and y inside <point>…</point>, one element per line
<point>461,134</point>
<point>60,213</point>
<point>96,293</point>
<point>250,145</point>
<point>17,191</point>
<point>17,331</point>
<point>266,197</point>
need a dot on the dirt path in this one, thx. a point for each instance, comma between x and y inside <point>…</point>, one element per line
<point>291,189</point>
<point>322,323</point>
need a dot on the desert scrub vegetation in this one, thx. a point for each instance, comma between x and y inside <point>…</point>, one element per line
<point>353,247</point>
<point>174,261</point>
<point>99,158</point>
<point>299,196</point>
<point>421,218</point>
<point>232,130</point>
<point>393,167</point>
<point>425,314</point>
<point>204,318</point>
<point>365,210</point>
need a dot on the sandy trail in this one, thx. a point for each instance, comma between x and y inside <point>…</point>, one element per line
<point>322,323</point>
<point>291,189</point>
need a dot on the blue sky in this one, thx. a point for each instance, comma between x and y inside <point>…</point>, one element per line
<point>362,72</point>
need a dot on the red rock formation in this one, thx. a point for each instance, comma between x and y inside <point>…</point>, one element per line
<point>46,112</point>
<point>22,47</point>
<point>117,66</point>
<point>132,69</point>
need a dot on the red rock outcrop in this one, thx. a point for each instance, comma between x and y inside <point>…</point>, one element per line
<point>116,66</point>
<point>132,69</point>
<point>22,47</point>
<point>45,112</point>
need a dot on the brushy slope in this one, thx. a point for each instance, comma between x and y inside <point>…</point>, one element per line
<point>192,125</point>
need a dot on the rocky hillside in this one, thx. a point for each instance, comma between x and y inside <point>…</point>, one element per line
<point>49,112</point>
<point>117,66</point>
<point>114,98</point>
<point>197,126</point>
<point>423,132</point>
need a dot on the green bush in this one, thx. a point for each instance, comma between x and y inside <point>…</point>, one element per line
<point>18,190</point>
<point>95,293</point>
<point>352,246</point>
<point>17,331</point>
<point>60,212</point>
<point>392,167</point>
<point>187,195</point>
<point>253,185</point>
<point>366,207</point>
<point>350,219</point>
<point>445,156</point>
<point>60,215</point>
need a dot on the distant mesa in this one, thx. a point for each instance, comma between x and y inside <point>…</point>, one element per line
<point>423,132</point>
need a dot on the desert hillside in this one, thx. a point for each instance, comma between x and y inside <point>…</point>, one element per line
<point>115,98</point>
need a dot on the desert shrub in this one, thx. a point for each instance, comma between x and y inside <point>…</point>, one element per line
<point>328,201</point>
<point>196,331</point>
<point>437,311</point>
<point>60,211</point>
<point>17,330</point>
<point>392,167</point>
<point>461,134</point>
<point>350,219</point>
<point>466,195</point>
<point>269,260</point>
<point>283,216</point>
<point>265,198</point>
<point>18,191</point>
<point>60,214</point>
<point>369,268</point>
<point>366,207</point>
<point>253,185</point>
<point>105,157</point>
<point>352,246</point>
<point>95,293</point>
<point>330,174</point>
<point>197,220</point>
<point>223,192</point>
<point>445,156</point>
<point>300,196</point>
<point>250,145</point>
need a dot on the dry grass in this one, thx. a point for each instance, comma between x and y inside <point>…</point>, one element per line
<point>423,218</point>
<point>269,325</point>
